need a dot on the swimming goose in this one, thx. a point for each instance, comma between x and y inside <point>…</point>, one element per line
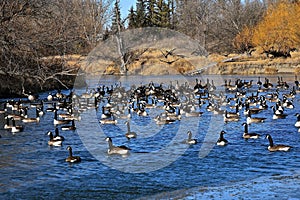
<point>222,141</point>
<point>6,125</point>
<point>57,121</point>
<point>51,109</point>
<point>190,140</point>
<point>296,81</point>
<point>193,113</point>
<point>104,114</point>
<point>17,117</point>
<point>259,83</point>
<point>109,121</point>
<point>49,97</point>
<point>57,136</point>
<point>129,134</point>
<point>234,114</point>
<point>267,84</point>
<point>247,135</point>
<point>297,124</point>
<point>278,147</point>
<point>14,128</point>
<point>122,150</point>
<point>52,141</point>
<point>72,127</point>
<point>32,119</point>
<point>160,120</point>
<point>278,114</point>
<point>230,118</point>
<point>287,103</point>
<point>254,119</point>
<point>2,111</point>
<point>71,158</point>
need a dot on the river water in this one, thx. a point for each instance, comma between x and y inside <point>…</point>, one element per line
<point>160,165</point>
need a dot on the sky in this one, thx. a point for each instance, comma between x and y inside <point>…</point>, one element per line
<point>125,6</point>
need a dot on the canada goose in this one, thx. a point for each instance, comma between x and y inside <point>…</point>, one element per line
<point>141,110</point>
<point>52,141</point>
<point>251,110</point>
<point>247,135</point>
<point>278,147</point>
<point>71,158</point>
<point>129,134</point>
<point>234,114</point>
<point>222,141</point>
<point>297,124</point>
<point>109,121</point>
<point>32,119</point>
<point>72,127</point>
<point>267,84</point>
<point>259,83</point>
<point>287,103</point>
<point>14,128</point>
<point>16,117</point>
<point>194,114</point>
<point>6,125</point>
<point>230,118</point>
<point>32,97</point>
<point>57,136</point>
<point>2,111</point>
<point>49,97</point>
<point>57,121</point>
<point>104,114</point>
<point>160,120</point>
<point>190,140</point>
<point>278,114</point>
<point>296,81</point>
<point>122,150</point>
<point>254,119</point>
<point>51,109</point>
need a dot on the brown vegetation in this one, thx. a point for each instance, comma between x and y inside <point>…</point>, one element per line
<point>277,33</point>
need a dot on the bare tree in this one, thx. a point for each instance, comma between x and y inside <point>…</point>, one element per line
<point>33,29</point>
<point>215,23</point>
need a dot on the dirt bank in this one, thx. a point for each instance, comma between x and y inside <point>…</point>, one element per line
<point>155,62</point>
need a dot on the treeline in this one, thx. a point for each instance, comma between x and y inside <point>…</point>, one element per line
<point>222,26</point>
<point>214,23</point>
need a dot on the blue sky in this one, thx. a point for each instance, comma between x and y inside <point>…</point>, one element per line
<point>125,6</point>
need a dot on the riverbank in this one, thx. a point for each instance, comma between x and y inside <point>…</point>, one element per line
<point>156,62</point>
<point>61,72</point>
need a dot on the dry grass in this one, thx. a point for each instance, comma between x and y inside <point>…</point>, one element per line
<point>271,70</point>
<point>297,70</point>
<point>154,62</point>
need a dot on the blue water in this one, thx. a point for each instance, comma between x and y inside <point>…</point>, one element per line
<point>31,169</point>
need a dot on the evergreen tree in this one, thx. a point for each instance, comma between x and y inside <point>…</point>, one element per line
<point>140,13</point>
<point>131,18</point>
<point>117,25</point>
<point>163,14</point>
<point>151,14</point>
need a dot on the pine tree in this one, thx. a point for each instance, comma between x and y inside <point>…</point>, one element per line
<point>163,14</point>
<point>132,18</point>
<point>117,25</point>
<point>140,13</point>
<point>151,14</point>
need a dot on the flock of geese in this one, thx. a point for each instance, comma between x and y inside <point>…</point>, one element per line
<point>172,101</point>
